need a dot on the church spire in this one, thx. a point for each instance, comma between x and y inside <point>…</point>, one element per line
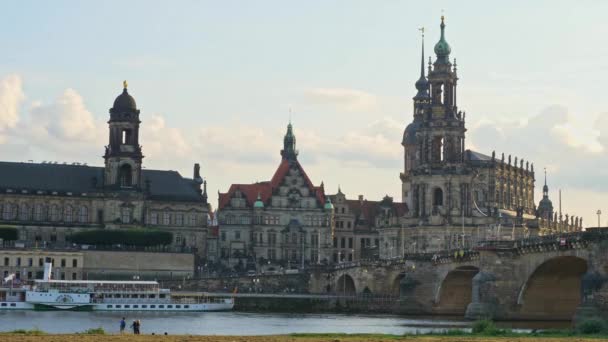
<point>545,187</point>
<point>442,48</point>
<point>422,85</point>
<point>289,151</point>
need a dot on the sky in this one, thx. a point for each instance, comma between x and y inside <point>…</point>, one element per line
<point>218,81</point>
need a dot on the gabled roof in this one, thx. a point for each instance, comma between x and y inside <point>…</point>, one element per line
<point>265,189</point>
<point>79,179</point>
<point>366,211</point>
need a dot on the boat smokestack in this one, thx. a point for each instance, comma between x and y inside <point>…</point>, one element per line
<point>48,266</point>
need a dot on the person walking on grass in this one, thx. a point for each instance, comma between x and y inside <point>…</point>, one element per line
<point>123,325</point>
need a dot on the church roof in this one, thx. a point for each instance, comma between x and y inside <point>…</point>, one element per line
<point>265,189</point>
<point>79,179</point>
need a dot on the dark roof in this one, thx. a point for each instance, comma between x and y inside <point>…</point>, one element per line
<point>476,156</point>
<point>409,135</point>
<point>124,102</point>
<point>78,179</point>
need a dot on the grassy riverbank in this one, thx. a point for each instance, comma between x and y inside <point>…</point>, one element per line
<point>281,338</point>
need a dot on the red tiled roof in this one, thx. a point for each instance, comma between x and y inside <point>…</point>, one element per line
<point>368,210</point>
<point>265,189</point>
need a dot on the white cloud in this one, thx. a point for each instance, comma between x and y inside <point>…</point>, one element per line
<point>11,96</point>
<point>162,142</point>
<point>342,98</point>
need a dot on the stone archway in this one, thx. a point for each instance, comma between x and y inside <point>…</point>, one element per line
<point>553,291</point>
<point>346,285</point>
<point>396,285</point>
<point>455,292</point>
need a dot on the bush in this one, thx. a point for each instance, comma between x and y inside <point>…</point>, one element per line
<point>9,233</point>
<point>486,327</point>
<point>592,326</point>
<point>94,331</point>
<point>34,331</point>
<point>128,237</point>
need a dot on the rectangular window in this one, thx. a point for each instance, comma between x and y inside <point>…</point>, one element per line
<point>63,263</point>
<point>350,242</point>
<point>166,219</point>
<point>40,262</point>
<point>223,236</point>
<point>30,262</point>
<point>144,306</point>
<point>237,235</point>
<point>29,275</point>
<point>18,261</point>
<point>152,306</point>
<point>179,219</point>
<point>6,261</point>
<point>74,262</point>
<point>343,242</point>
<point>74,276</point>
<point>62,275</point>
<point>335,242</point>
<point>154,218</point>
<point>109,306</point>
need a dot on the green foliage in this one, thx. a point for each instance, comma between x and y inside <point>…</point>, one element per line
<point>94,331</point>
<point>455,332</point>
<point>9,233</point>
<point>127,237</point>
<point>486,327</point>
<point>592,326</point>
<point>34,331</point>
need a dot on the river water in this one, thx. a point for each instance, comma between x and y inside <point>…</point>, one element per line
<point>239,323</point>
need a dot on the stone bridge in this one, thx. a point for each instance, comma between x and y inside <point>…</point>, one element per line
<point>544,278</point>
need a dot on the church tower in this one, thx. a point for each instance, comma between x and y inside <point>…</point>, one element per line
<point>442,132</point>
<point>422,101</point>
<point>545,206</point>
<point>289,151</point>
<point>123,157</point>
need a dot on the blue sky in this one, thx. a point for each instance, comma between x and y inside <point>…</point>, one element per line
<point>215,82</point>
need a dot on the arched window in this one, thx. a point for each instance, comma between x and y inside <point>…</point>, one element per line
<point>125,176</point>
<point>24,212</point>
<point>6,211</point>
<point>38,212</point>
<point>437,197</point>
<point>54,212</point>
<point>69,214</point>
<point>83,214</point>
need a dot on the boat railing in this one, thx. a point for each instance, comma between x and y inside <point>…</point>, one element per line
<point>132,300</point>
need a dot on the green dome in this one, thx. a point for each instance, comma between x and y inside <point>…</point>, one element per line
<point>258,204</point>
<point>442,48</point>
<point>328,205</point>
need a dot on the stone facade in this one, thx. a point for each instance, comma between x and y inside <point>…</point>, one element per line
<point>285,221</point>
<point>453,191</point>
<point>48,201</point>
<point>27,265</point>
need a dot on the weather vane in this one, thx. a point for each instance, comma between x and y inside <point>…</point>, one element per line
<point>124,84</point>
<point>421,29</point>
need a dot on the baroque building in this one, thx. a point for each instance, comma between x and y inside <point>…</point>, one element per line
<point>451,191</point>
<point>285,221</point>
<point>49,201</point>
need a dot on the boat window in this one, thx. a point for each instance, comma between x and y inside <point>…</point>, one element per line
<point>161,306</point>
<point>109,306</point>
<point>186,306</point>
<point>135,306</point>
<point>152,306</point>
<point>12,304</point>
<point>118,306</point>
<point>3,304</point>
<point>142,296</point>
<point>151,296</point>
<point>169,306</point>
<point>178,306</point>
<point>134,296</point>
<point>162,295</point>
<point>144,306</point>
<point>127,306</point>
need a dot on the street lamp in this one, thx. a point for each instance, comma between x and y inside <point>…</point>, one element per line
<point>599,214</point>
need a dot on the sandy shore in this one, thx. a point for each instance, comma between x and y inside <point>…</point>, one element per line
<point>340,338</point>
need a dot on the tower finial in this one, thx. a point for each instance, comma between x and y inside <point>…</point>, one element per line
<point>125,85</point>
<point>421,29</point>
<point>545,176</point>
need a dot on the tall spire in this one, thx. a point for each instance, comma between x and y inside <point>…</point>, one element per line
<point>545,187</point>
<point>422,85</point>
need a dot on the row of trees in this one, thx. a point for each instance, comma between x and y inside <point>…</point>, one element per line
<point>127,237</point>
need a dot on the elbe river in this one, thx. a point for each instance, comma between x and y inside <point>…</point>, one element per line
<point>241,323</point>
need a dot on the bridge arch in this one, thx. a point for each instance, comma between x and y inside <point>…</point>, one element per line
<point>455,291</point>
<point>553,290</point>
<point>346,285</point>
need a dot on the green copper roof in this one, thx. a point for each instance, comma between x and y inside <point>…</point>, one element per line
<point>328,205</point>
<point>442,48</point>
<point>258,202</point>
